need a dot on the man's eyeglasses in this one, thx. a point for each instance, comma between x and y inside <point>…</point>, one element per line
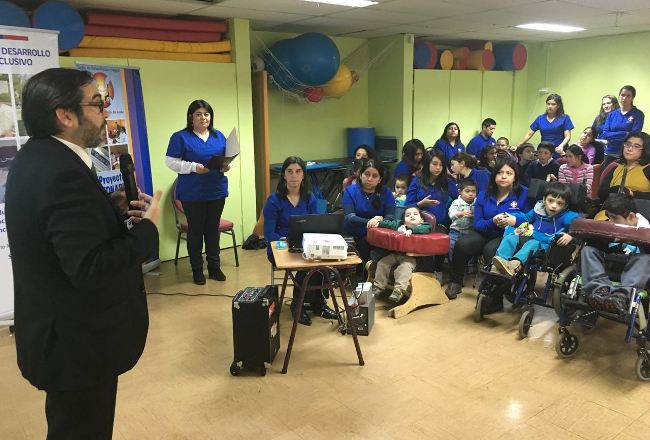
<point>99,105</point>
<point>633,146</point>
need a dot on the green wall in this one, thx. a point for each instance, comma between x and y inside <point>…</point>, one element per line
<point>465,97</point>
<point>168,88</point>
<point>313,130</point>
<point>584,70</point>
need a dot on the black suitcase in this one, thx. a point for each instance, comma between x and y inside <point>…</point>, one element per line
<point>255,328</point>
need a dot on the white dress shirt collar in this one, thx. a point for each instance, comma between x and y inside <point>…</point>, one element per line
<point>81,152</point>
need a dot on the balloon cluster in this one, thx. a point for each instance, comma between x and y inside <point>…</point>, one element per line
<point>309,64</point>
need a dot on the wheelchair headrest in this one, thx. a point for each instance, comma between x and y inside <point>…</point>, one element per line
<point>578,192</point>
<point>610,232</point>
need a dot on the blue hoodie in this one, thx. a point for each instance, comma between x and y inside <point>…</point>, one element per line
<point>546,227</point>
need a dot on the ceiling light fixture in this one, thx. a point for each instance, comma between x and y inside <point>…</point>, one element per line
<point>550,27</point>
<point>351,3</point>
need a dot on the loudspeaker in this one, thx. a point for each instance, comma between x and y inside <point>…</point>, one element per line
<point>386,147</point>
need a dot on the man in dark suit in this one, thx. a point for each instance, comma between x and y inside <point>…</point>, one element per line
<point>80,307</point>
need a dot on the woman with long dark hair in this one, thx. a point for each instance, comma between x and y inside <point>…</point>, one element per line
<point>633,170</point>
<point>293,197</point>
<point>449,142</point>
<point>504,195</point>
<point>201,190</point>
<point>554,125</point>
<point>411,162</point>
<point>619,124</point>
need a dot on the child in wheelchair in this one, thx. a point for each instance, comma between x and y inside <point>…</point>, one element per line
<point>404,265</point>
<point>601,293</point>
<point>538,228</point>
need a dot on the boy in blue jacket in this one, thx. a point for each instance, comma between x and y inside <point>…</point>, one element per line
<point>538,227</point>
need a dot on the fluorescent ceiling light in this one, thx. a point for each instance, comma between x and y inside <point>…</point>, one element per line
<point>550,27</point>
<point>351,3</point>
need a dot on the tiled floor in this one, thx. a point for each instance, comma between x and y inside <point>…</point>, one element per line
<point>434,374</point>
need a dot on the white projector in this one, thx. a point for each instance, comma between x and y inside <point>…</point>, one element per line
<point>324,247</point>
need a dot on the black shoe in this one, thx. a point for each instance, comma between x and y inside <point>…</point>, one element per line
<point>616,303</point>
<point>198,277</point>
<point>304,317</point>
<point>597,298</point>
<point>453,289</point>
<point>326,312</point>
<point>216,274</point>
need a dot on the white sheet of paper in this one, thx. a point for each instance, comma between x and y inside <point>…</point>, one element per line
<point>232,144</point>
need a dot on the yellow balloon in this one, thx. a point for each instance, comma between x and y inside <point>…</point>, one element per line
<point>340,83</point>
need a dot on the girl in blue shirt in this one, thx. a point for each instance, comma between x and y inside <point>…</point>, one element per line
<point>619,124</point>
<point>465,166</point>
<point>293,197</point>
<point>504,195</point>
<point>366,204</point>
<point>432,190</point>
<point>411,162</point>
<point>555,126</point>
<point>202,191</point>
<point>449,143</point>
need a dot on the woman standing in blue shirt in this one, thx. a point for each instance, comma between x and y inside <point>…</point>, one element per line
<point>366,204</point>
<point>449,143</point>
<point>504,195</point>
<point>555,126</point>
<point>411,162</point>
<point>202,191</point>
<point>619,124</point>
<point>293,197</point>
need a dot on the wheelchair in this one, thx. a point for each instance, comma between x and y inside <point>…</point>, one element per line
<point>520,290</point>
<point>571,302</point>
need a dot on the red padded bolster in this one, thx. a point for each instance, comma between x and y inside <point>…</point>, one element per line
<point>173,24</point>
<point>433,243</point>
<point>608,231</point>
<point>151,34</point>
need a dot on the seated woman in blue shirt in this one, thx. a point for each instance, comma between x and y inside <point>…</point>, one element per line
<point>555,126</point>
<point>449,143</point>
<point>465,166</point>
<point>432,190</point>
<point>504,195</point>
<point>293,197</point>
<point>411,162</point>
<point>366,204</point>
<point>202,191</point>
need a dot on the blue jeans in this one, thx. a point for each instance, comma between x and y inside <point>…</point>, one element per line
<point>453,238</point>
<point>509,244</point>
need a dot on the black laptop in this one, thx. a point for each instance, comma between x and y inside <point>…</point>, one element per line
<point>312,223</point>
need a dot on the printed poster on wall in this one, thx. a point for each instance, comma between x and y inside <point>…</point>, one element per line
<point>23,53</point>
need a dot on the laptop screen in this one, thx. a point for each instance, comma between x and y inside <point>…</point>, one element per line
<point>312,223</point>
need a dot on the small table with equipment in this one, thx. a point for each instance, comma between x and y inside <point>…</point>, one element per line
<point>292,262</point>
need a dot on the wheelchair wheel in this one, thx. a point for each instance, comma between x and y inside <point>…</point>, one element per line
<point>525,322</point>
<point>643,367</point>
<point>235,368</point>
<point>478,310</point>
<point>561,286</point>
<point>567,345</point>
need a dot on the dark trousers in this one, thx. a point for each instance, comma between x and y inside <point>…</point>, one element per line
<point>594,275</point>
<point>470,245</point>
<point>203,225</point>
<point>85,413</point>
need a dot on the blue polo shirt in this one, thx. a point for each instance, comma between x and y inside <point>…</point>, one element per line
<point>277,211</point>
<point>417,192</point>
<point>552,132</point>
<point>448,150</point>
<point>194,187</point>
<point>486,207</point>
<point>617,126</point>
<point>403,169</point>
<point>358,208</point>
<point>481,178</point>
<point>478,144</point>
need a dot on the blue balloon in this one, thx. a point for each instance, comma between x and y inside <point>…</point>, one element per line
<point>279,64</point>
<point>12,15</point>
<point>61,17</point>
<point>314,58</point>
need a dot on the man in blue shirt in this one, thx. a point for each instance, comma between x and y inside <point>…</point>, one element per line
<point>483,139</point>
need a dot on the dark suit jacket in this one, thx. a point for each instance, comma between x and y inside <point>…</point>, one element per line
<point>80,305</point>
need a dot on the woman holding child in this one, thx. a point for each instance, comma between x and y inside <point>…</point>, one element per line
<point>504,195</point>
<point>293,197</point>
